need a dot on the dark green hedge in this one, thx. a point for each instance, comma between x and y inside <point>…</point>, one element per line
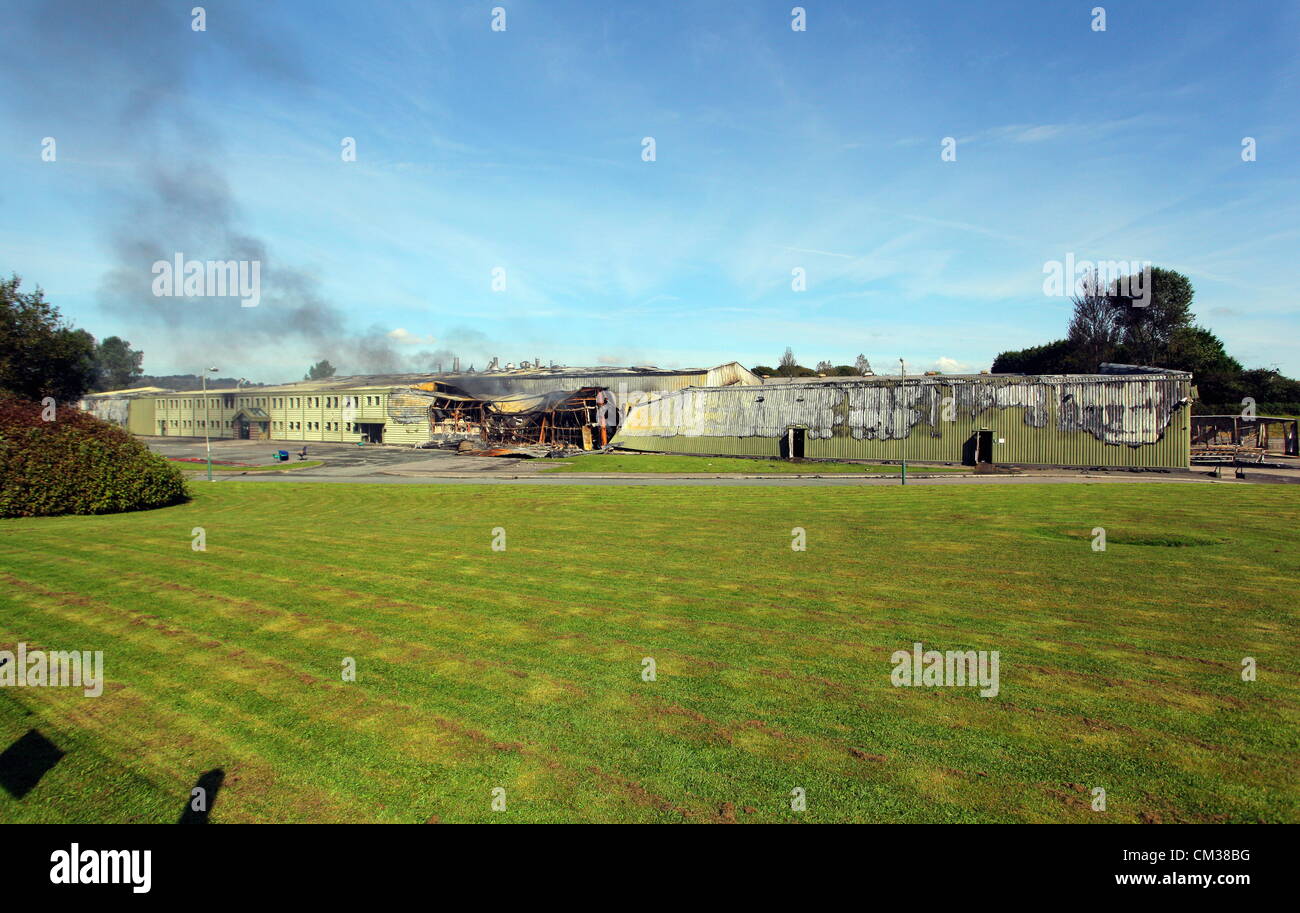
<point>1279,409</point>
<point>76,464</point>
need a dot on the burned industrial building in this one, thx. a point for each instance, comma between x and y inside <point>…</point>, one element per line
<point>1118,418</point>
<point>1122,416</point>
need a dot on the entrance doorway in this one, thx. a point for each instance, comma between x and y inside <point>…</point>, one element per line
<point>979,448</point>
<point>792,443</point>
<point>371,433</point>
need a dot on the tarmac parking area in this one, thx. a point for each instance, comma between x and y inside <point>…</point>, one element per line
<point>341,460</point>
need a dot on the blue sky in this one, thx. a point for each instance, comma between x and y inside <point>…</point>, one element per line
<point>775,150</point>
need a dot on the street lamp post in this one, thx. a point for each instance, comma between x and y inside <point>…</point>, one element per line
<point>902,376</point>
<point>207,432</point>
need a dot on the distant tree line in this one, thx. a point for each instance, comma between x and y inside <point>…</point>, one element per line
<point>790,367</point>
<point>1107,326</point>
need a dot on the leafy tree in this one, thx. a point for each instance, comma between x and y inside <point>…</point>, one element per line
<point>320,371</point>
<point>1269,386</point>
<point>1107,326</point>
<point>1095,332</point>
<point>789,367</point>
<point>1146,332</point>
<point>1217,374</point>
<point>40,355</point>
<point>119,365</point>
<point>862,366</point>
<point>824,367</point>
<point>1052,358</point>
<point>845,371</point>
<point>763,370</point>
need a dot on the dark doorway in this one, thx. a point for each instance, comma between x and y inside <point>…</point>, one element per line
<point>792,443</point>
<point>978,448</point>
<point>243,430</point>
<point>371,433</point>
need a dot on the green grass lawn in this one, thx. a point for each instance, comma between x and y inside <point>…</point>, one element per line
<point>521,668</point>
<point>653,462</point>
<point>268,467</point>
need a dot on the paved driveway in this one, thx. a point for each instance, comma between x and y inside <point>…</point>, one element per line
<point>342,461</point>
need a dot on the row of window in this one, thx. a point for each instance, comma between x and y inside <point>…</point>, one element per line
<point>311,426</point>
<point>277,402</point>
<point>197,423</point>
<point>278,426</point>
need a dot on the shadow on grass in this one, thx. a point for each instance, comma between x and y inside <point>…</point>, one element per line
<point>26,761</point>
<point>202,797</point>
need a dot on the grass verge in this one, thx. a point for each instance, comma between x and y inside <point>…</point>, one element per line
<point>523,668</point>
<point>189,466</point>
<point>653,462</point>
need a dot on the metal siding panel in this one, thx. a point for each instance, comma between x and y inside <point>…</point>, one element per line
<point>1131,405</point>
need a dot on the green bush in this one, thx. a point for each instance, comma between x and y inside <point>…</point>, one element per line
<point>1275,409</point>
<point>76,464</point>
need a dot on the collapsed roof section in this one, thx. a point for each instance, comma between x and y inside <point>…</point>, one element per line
<point>558,418</point>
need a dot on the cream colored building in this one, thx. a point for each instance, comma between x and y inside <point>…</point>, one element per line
<point>371,408</point>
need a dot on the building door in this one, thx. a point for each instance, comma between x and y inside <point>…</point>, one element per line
<point>984,449</point>
<point>242,429</point>
<point>371,433</point>
<point>792,443</point>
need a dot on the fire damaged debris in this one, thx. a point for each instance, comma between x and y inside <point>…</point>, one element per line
<point>1238,439</point>
<point>512,424</point>
<point>452,415</point>
<point>563,418</point>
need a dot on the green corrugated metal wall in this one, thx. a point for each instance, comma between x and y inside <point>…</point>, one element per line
<point>1023,443</point>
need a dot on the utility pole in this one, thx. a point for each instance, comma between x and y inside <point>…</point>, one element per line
<point>207,432</point>
<point>902,376</point>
